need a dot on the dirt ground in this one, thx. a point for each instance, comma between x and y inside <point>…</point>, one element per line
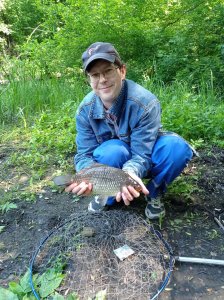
<point>188,227</point>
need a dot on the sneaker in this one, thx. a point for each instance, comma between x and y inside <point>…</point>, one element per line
<point>97,205</point>
<point>154,209</point>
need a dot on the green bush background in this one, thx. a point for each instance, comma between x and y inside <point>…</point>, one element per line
<point>174,47</point>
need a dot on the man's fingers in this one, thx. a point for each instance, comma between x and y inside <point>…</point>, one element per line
<point>126,201</point>
<point>70,187</point>
<point>136,178</point>
<point>80,189</point>
<point>118,197</point>
<point>126,195</point>
<point>133,191</point>
<point>88,190</point>
<point>144,190</point>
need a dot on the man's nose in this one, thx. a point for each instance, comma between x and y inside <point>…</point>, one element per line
<point>102,75</point>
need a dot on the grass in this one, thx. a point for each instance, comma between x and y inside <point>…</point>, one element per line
<point>50,134</point>
<point>195,115</point>
<point>21,100</point>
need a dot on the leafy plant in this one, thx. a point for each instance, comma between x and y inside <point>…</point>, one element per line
<point>213,234</point>
<point>51,141</point>
<point>46,284</point>
<point>101,295</point>
<point>2,228</point>
<point>7,294</point>
<point>7,206</point>
<point>184,187</point>
<point>176,224</point>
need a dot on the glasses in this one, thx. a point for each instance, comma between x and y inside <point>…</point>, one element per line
<point>107,74</point>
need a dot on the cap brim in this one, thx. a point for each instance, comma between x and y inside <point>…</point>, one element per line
<point>108,57</point>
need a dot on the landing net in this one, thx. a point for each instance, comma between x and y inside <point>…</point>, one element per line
<point>116,253</point>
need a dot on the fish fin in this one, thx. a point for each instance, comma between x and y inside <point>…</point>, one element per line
<point>95,165</point>
<point>103,200</point>
<point>63,179</point>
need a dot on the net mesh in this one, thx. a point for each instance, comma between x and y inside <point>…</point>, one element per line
<point>85,245</point>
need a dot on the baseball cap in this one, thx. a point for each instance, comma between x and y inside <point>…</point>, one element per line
<point>100,50</point>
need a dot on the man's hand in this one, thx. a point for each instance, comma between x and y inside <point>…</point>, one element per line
<point>128,193</point>
<point>83,188</point>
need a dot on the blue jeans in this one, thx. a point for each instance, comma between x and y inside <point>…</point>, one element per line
<point>170,156</point>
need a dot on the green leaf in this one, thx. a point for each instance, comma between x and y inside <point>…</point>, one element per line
<point>72,296</point>
<point>16,288</point>
<point>101,295</point>
<point>178,221</point>
<point>29,297</point>
<point>7,206</point>
<point>56,296</point>
<point>7,294</point>
<point>25,283</point>
<point>49,282</point>
<point>1,228</point>
<point>188,233</point>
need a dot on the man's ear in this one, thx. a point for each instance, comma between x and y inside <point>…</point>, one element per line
<point>123,72</point>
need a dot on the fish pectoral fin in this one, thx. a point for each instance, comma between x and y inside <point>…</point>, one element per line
<point>63,180</point>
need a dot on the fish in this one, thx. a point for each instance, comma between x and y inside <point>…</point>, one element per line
<point>107,181</point>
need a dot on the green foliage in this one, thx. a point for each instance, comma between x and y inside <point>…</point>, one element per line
<point>187,220</point>
<point>51,139</point>
<point>48,282</point>
<point>184,187</point>
<point>51,105</point>
<point>25,96</point>
<point>7,206</point>
<point>24,18</point>
<point>213,234</point>
<point>170,39</point>
<point>101,295</point>
<point>2,228</point>
<point>7,294</point>
<point>45,285</point>
<point>22,288</point>
<point>193,115</point>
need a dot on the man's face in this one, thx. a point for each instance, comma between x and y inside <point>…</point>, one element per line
<point>106,80</point>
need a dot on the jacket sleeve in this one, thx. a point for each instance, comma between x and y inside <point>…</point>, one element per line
<point>85,141</point>
<point>143,137</point>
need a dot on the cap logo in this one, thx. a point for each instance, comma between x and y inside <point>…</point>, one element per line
<point>91,50</point>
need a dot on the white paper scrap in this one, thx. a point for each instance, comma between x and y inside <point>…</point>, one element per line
<point>123,252</point>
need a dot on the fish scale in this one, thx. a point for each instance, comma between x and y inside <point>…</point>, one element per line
<point>106,180</point>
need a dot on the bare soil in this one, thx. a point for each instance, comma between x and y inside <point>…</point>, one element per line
<point>189,227</point>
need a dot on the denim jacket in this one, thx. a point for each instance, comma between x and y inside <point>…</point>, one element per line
<point>136,116</point>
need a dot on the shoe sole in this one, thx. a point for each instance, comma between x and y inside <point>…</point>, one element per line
<point>96,211</point>
<point>154,216</point>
